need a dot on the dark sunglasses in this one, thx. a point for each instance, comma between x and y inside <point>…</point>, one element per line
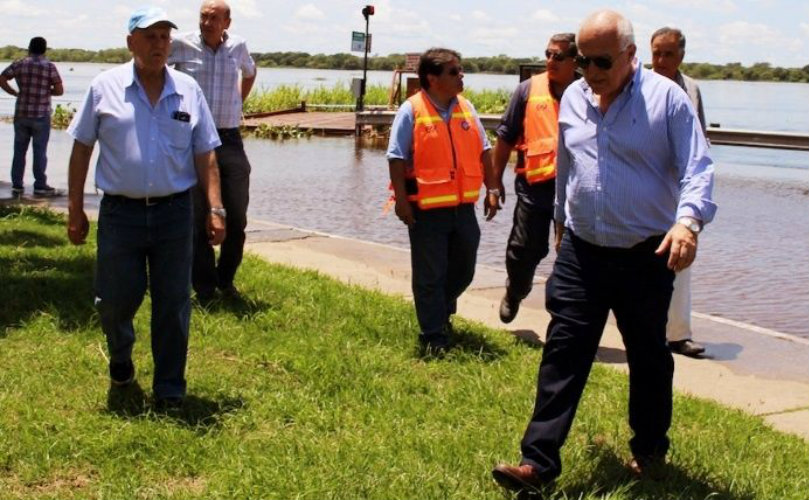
<point>455,71</point>
<point>556,56</point>
<point>601,62</point>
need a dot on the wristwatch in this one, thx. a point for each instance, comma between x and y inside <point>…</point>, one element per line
<point>494,191</point>
<point>220,211</point>
<point>692,224</point>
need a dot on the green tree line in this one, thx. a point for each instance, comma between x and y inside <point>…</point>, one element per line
<point>501,64</point>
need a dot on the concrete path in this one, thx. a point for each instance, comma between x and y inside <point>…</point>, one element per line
<point>759,371</point>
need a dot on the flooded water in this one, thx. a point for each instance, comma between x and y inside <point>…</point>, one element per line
<point>753,263</point>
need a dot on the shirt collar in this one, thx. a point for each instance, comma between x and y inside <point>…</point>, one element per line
<point>202,43</point>
<point>169,88</point>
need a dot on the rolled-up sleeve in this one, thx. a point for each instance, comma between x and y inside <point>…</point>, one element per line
<point>84,126</point>
<point>510,128</point>
<point>400,144</point>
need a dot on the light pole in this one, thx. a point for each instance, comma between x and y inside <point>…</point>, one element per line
<point>367,12</point>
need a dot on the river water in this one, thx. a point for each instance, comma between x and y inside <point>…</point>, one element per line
<point>753,263</point>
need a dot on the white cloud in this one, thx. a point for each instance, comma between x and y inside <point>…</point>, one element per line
<point>480,15</point>
<point>721,6</point>
<point>743,33</point>
<point>309,12</point>
<point>245,9</point>
<point>455,17</point>
<point>805,28</point>
<point>545,15</point>
<point>20,8</point>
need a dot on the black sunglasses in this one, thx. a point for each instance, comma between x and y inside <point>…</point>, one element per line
<point>455,71</point>
<point>556,56</point>
<point>601,62</point>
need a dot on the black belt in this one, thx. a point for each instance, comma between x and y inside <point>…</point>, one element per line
<point>149,200</point>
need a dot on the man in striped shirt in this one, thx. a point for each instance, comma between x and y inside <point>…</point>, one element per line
<point>633,190</point>
<point>37,80</point>
<point>214,57</point>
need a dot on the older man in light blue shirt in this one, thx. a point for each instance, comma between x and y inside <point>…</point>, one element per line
<point>157,140</point>
<point>633,191</point>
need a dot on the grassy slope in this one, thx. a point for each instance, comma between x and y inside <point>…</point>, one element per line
<point>312,389</point>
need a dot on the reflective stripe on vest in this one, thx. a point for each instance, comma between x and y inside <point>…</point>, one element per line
<point>540,132</point>
<point>446,156</point>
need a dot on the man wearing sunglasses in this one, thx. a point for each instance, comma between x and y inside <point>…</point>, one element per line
<point>530,124</point>
<point>633,189</point>
<point>668,50</point>
<point>438,158</point>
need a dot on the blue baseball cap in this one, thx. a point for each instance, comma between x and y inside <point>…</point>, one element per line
<point>147,16</point>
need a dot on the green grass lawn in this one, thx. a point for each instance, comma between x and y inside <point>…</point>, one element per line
<point>309,388</point>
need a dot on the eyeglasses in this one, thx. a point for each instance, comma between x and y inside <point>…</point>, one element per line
<point>601,62</point>
<point>556,56</point>
<point>457,70</point>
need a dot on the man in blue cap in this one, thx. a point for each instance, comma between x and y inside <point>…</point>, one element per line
<point>157,141</point>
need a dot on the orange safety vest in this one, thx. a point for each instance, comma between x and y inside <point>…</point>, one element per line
<point>446,156</point>
<point>540,132</point>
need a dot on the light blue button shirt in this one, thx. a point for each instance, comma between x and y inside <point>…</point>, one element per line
<point>629,174</point>
<point>400,144</point>
<point>144,150</point>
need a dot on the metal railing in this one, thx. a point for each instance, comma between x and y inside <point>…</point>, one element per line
<point>717,135</point>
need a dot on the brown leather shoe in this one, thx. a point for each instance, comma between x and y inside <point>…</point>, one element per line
<point>653,468</point>
<point>517,478</point>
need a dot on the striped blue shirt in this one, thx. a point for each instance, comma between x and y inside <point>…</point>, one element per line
<point>630,173</point>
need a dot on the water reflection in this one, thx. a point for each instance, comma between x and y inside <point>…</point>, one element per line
<point>752,266</point>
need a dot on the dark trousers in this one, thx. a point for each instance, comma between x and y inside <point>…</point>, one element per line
<point>234,174</point>
<point>528,241</point>
<point>587,282</point>
<point>27,130</point>
<point>140,246</point>
<point>443,249</point>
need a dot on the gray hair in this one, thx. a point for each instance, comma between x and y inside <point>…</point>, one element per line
<point>670,31</point>
<point>568,38</point>
<point>626,34</point>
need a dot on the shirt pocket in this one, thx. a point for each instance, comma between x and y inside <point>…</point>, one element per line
<point>177,135</point>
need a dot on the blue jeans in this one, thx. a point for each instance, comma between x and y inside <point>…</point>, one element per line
<point>443,250</point>
<point>587,282</point>
<point>25,129</point>
<point>141,245</point>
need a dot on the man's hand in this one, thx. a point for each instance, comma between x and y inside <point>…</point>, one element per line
<point>77,227</point>
<point>404,211</point>
<point>216,229</point>
<point>681,244</point>
<point>558,232</point>
<point>491,204</point>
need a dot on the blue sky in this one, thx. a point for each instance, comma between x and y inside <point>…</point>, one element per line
<point>717,31</point>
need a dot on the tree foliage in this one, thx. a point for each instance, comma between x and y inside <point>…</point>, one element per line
<point>502,63</point>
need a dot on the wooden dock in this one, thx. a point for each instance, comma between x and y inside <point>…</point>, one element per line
<point>320,122</point>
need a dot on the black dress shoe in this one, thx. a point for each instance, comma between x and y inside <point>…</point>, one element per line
<point>167,404</point>
<point>518,477</point>
<point>687,347</point>
<point>122,373</point>
<point>508,308</point>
